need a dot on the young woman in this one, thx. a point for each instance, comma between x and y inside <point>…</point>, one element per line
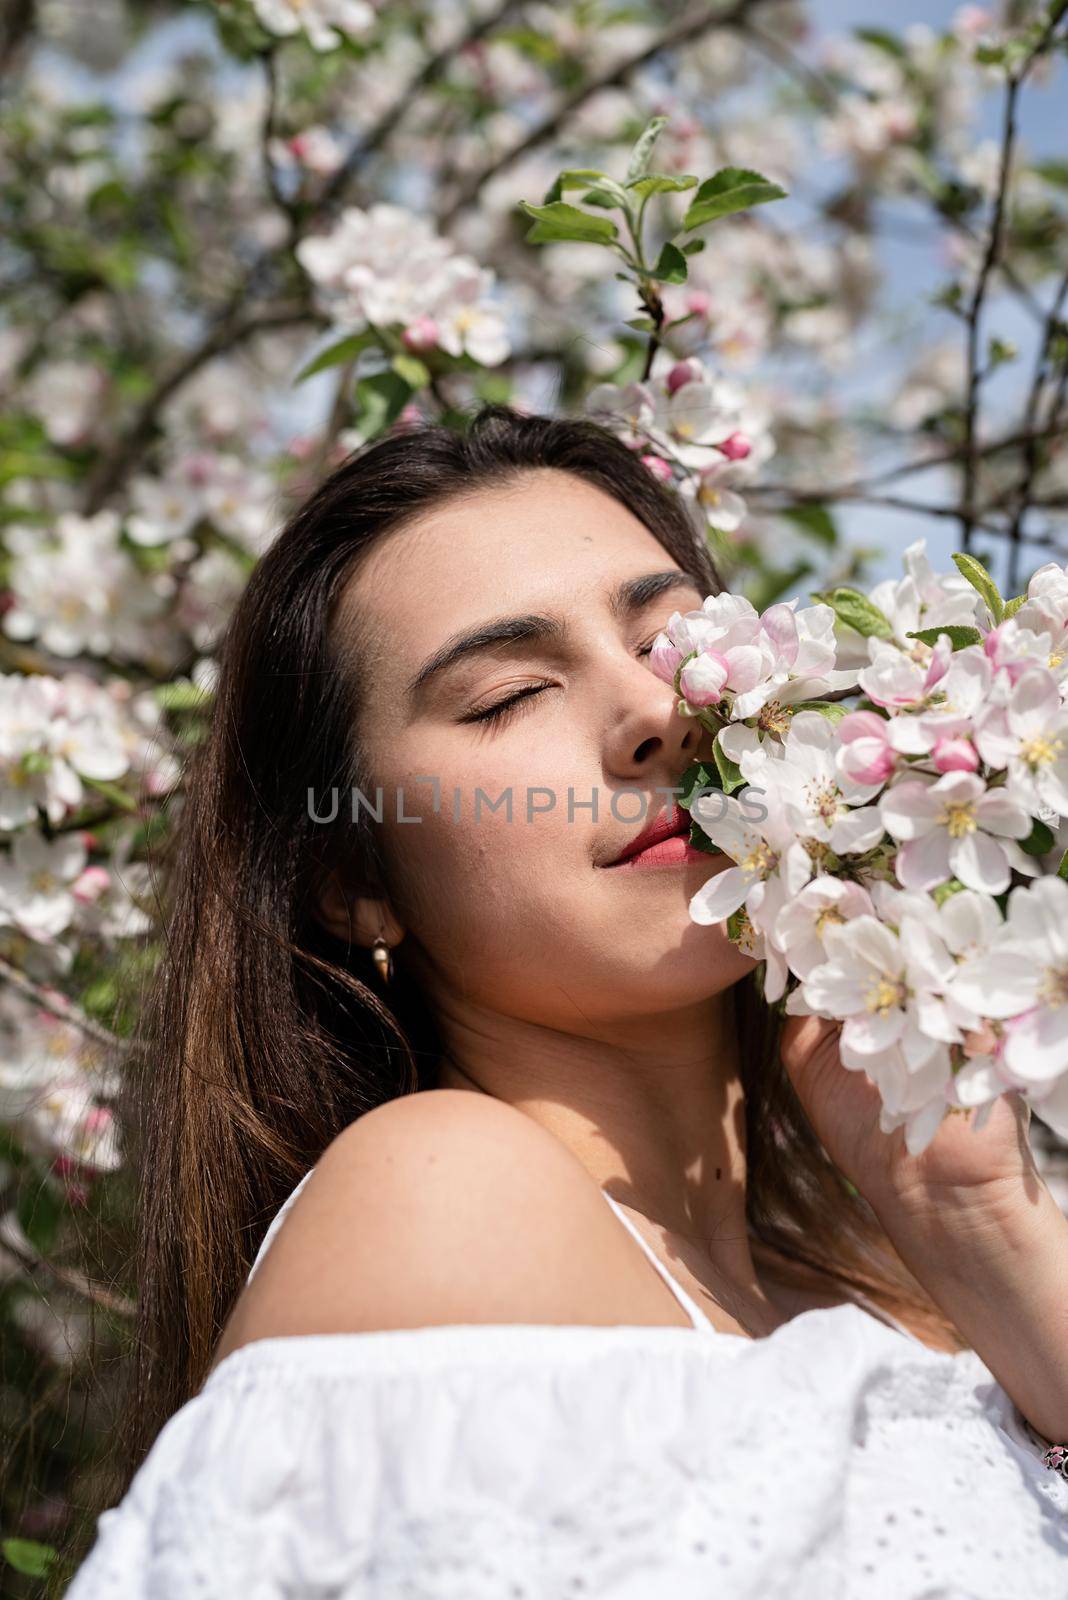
<point>572,1291</point>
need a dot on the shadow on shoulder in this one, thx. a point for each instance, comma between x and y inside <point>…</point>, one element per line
<point>445,1207</point>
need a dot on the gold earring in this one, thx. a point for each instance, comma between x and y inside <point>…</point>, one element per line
<point>382,959</point>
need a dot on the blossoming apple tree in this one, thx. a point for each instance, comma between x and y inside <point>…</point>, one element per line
<point>242,237</point>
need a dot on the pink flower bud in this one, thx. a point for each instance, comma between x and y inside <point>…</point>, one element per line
<point>420,335</point>
<point>736,447</point>
<point>955,755</point>
<point>658,467</point>
<point>681,373</point>
<point>90,885</point>
<point>701,680</point>
<point>698,302</point>
<point>866,755</point>
<point>664,658</point>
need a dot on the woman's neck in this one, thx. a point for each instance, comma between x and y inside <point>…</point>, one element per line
<point>657,1121</point>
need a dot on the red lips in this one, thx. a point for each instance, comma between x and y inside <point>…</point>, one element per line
<point>667,825</point>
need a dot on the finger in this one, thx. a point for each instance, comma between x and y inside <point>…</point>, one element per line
<point>802,1037</point>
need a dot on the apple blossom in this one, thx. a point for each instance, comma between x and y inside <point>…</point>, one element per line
<point>952,828</point>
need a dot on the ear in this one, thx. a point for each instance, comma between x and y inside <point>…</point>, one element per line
<point>356,918</point>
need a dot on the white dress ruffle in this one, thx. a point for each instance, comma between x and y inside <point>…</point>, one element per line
<point>835,1459</point>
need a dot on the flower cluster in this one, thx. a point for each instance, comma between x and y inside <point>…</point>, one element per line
<point>324,22</point>
<point>388,268</point>
<point>898,865</point>
<point>692,424</point>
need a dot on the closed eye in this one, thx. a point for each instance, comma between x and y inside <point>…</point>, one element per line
<point>502,709</point>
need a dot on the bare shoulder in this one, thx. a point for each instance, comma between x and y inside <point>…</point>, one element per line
<point>444,1206</point>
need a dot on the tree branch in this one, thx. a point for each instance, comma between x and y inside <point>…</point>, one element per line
<point>232,329</point>
<point>432,69</point>
<point>684,31</point>
<point>58,1005</point>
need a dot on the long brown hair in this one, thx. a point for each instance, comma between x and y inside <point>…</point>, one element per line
<point>263,1038</point>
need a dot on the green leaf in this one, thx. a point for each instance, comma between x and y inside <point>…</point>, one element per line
<point>1062,870</point>
<point>28,1557</point>
<point>344,350</point>
<point>1012,606</point>
<point>881,40</point>
<point>697,777</point>
<point>699,838</point>
<point>39,1210</point>
<point>1039,841</point>
<point>661,183</point>
<point>578,177</point>
<point>112,792</point>
<point>959,636</point>
<point>671,265</point>
<point>380,398</point>
<point>641,324</point>
<point>856,611</point>
<point>833,710</point>
<point>729,190</point>
<point>604,191</point>
<point>560,221</point>
<point>1053,172</point>
<point>642,152</point>
<point>693,247</point>
<point>181,695</point>
<point>730,772</point>
<point>998,351</point>
<point>982,582</point>
<point>814,520</point>
<point>416,373</point>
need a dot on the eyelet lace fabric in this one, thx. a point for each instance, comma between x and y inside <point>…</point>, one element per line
<point>833,1460</point>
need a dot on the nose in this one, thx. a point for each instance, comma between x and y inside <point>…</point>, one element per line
<point>648,741</point>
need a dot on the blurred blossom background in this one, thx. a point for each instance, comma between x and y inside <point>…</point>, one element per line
<point>240,238</point>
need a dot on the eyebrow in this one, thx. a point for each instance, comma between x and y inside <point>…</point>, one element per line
<point>626,599</point>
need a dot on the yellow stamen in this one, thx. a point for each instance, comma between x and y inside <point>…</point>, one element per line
<point>759,862</point>
<point>774,718</point>
<point>884,995</point>
<point>824,799</point>
<point>959,820</point>
<point>1053,989</point>
<point>1040,751</point>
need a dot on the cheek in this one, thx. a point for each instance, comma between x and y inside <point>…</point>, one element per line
<point>502,821</point>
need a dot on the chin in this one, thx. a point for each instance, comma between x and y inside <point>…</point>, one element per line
<point>698,966</point>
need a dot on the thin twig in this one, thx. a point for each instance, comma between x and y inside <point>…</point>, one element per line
<point>70,1278</point>
<point>684,31</point>
<point>1038,382</point>
<point>58,1005</point>
<point>990,255</point>
<point>367,144</point>
<point>231,329</point>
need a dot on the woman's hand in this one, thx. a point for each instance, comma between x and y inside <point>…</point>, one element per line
<point>959,1166</point>
<point>971,1217</point>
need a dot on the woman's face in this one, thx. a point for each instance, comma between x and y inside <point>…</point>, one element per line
<point>522,913</point>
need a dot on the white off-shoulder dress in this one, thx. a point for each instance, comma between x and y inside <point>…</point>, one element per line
<point>837,1458</point>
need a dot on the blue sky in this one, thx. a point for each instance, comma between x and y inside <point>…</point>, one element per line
<point>912,273</point>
